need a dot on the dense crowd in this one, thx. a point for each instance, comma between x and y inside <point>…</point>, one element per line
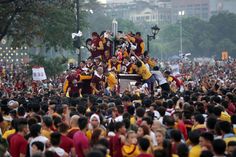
<point>163,115</point>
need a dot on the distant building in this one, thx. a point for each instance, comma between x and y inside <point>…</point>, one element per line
<point>192,8</point>
<point>166,11</point>
<point>151,11</point>
<point>217,6</point>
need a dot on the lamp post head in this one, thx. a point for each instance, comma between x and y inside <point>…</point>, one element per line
<point>181,13</point>
<point>155,30</point>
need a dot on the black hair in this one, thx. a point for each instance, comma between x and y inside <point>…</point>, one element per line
<point>49,153</point>
<point>104,142</point>
<point>127,123</point>
<point>47,121</point>
<point>178,114</point>
<point>206,153</point>
<point>81,109</point>
<point>126,98</point>
<point>148,120</point>
<point>21,124</point>
<point>168,120</point>
<point>217,111</point>
<point>219,146</point>
<point>138,33</point>
<point>140,112</point>
<point>131,110</point>
<point>82,122</point>
<point>39,145</point>
<point>176,135</point>
<point>126,115</point>
<point>161,110</point>
<point>156,68</point>
<point>56,121</point>
<point>144,144</point>
<point>233,119</point>
<point>182,150</point>
<point>21,111</point>
<point>119,125</point>
<point>63,127</point>
<point>120,109</point>
<point>159,153</point>
<point>94,153</point>
<point>211,122</point>
<point>55,138</point>
<point>199,118</point>
<point>225,127</point>
<point>194,136</point>
<point>232,143</point>
<point>138,64</point>
<point>35,130</point>
<point>207,136</point>
<point>147,102</point>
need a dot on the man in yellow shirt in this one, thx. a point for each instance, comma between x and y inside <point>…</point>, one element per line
<point>111,81</point>
<point>196,149</point>
<point>144,72</point>
<point>46,126</point>
<point>12,130</point>
<point>130,148</point>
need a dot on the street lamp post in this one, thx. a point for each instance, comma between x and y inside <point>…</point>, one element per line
<point>181,14</point>
<point>77,28</point>
<point>155,31</point>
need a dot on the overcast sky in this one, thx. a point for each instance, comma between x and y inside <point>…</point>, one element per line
<point>102,1</point>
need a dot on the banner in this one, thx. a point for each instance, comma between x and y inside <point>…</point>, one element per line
<point>38,74</point>
<point>175,69</point>
<point>224,56</point>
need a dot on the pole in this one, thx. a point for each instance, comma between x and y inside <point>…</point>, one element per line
<point>77,28</point>
<point>148,43</point>
<point>181,35</point>
<point>115,31</point>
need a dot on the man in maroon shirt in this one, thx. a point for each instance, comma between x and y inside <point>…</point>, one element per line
<point>66,143</point>
<point>140,44</point>
<point>81,142</point>
<point>74,126</point>
<point>18,144</point>
<point>117,141</point>
<point>98,81</point>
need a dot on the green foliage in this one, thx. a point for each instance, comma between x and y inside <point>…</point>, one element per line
<point>201,38</point>
<point>39,21</point>
<point>52,66</point>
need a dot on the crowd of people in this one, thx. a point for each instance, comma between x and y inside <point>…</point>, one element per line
<point>82,113</point>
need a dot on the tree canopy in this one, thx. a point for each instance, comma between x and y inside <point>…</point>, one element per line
<point>201,38</point>
<point>38,21</point>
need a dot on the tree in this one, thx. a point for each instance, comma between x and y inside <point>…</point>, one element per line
<point>38,21</point>
<point>225,24</point>
<point>225,45</point>
<point>52,66</point>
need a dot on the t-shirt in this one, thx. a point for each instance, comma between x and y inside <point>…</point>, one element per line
<point>181,126</point>
<point>144,155</point>
<point>195,151</point>
<point>57,150</point>
<point>46,133</point>
<point>81,143</point>
<point>130,150</point>
<point>40,138</point>
<point>66,143</point>
<point>8,132</point>
<point>159,76</point>
<point>144,72</point>
<point>71,132</point>
<point>18,145</point>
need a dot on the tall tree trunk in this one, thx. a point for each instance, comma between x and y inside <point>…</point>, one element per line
<point>5,28</point>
